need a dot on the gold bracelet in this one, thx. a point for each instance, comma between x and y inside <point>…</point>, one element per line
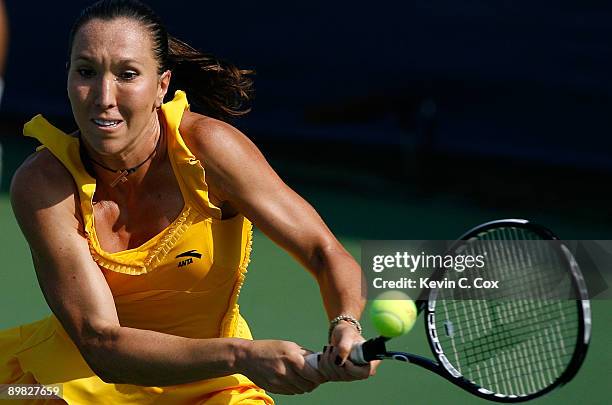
<point>348,318</point>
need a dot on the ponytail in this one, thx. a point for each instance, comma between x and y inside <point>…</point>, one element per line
<point>216,86</point>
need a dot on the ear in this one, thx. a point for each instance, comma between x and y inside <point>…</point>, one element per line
<point>164,84</point>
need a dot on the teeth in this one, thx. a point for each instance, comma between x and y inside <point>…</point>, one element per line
<point>105,123</point>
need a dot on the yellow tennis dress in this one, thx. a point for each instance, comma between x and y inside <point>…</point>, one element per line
<point>184,281</point>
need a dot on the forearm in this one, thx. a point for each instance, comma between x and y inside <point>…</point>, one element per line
<point>341,283</point>
<point>149,358</point>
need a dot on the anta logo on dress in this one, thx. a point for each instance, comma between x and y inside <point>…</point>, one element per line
<point>189,255</point>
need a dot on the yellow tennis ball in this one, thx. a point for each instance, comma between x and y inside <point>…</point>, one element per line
<point>393,313</point>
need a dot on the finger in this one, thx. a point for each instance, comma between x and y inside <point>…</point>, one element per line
<point>310,374</point>
<point>327,366</point>
<point>304,376</point>
<point>345,338</point>
<point>324,363</point>
<point>296,384</point>
<point>301,384</point>
<point>374,366</point>
<point>355,372</point>
<point>288,384</point>
<point>344,347</point>
<point>336,365</point>
<point>305,352</point>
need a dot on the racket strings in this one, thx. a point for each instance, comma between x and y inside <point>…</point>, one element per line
<point>474,355</point>
<point>518,339</point>
<point>520,275</point>
<point>527,285</point>
<point>522,350</point>
<point>520,371</point>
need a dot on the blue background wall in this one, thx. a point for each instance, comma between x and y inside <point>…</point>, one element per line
<point>524,80</point>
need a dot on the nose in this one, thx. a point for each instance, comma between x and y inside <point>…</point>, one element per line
<point>105,94</point>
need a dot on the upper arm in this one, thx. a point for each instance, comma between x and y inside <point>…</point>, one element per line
<point>45,200</point>
<point>237,172</point>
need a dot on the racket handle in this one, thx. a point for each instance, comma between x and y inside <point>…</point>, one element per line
<point>356,357</point>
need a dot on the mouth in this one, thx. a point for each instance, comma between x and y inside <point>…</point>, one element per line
<point>106,123</point>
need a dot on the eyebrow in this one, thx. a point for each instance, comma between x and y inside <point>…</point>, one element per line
<point>122,61</point>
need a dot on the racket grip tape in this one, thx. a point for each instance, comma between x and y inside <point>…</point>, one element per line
<point>361,353</point>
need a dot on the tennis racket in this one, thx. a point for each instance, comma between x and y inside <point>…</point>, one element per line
<point>514,343</point>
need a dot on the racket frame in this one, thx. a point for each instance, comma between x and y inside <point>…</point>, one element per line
<point>443,367</point>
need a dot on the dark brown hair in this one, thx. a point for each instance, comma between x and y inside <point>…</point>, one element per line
<point>213,85</point>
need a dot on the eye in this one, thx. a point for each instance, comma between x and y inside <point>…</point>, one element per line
<point>86,72</point>
<point>128,75</point>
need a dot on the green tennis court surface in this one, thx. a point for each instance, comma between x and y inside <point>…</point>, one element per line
<point>281,301</point>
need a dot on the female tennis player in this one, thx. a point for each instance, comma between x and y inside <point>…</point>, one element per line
<point>139,226</point>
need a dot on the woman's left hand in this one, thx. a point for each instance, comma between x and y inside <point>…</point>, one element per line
<point>335,364</point>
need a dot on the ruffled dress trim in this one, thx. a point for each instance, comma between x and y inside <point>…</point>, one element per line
<point>171,235</point>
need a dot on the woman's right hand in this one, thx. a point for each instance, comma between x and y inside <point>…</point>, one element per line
<point>279,367</point>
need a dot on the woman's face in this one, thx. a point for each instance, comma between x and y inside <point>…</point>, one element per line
<point>113,84</point>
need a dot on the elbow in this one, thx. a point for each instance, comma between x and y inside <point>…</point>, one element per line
<point>106,377</point>
<point>325,255</point>
<point>97,348</point>
<point>110,373</point>
<point>319,259</point>
<point>104,371</point>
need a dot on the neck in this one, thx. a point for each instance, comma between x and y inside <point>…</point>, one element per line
<point>128,172</point>
<point>123,173</point>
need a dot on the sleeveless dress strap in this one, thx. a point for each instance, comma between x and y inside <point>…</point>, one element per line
<point>188,168</point>
<point>66,149</point>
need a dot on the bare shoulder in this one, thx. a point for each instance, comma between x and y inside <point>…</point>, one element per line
<point>234,165</point>
<point>42,182</point>
<point>212,140</point>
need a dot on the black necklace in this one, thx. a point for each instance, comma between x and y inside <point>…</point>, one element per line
<point>123,173</point>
